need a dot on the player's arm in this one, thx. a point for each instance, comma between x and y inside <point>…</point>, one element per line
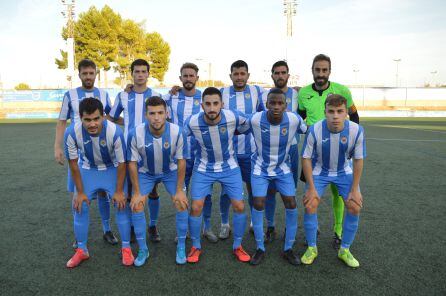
<point>359,153</point>
<point>301,108</point>
<point>182,153</point>
<point>115,111</point>
<point>307,167</point>
<point>120,152</point>
<point>352,111</point>
<point>58,151</point>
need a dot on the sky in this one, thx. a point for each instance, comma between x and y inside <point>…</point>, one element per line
<point>356,34</point>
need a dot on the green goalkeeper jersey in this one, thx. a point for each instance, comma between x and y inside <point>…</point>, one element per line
<point>313,101</point>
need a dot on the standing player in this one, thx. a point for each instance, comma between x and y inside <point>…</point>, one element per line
<point>311,107</point>
<point>70,110</point>
<point>274,131</point>
<point>132,104</point>
<point>280,75</point>
<point>157,153</point>
<point>328,146</point>
<point>96,152</point>
<point>181,105</point>
<point>248,100</point>
<point>213,130</point>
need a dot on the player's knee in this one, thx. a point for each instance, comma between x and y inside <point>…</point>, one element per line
<point>238,206</point>
<point>289,202</point>
<point>259,203</point>
<point>138,208</point>
<point>196,208</point>
<point>352,207</point>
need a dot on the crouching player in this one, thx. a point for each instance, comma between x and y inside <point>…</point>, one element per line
<point>157,152</point>
<point>101,168</point>
<point>329,145</point>
<point>274,131</point>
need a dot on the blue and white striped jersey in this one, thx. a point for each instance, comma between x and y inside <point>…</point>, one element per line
<point>248,102</point>
<point>72,98</point>
<point>330,152</point>
<point>95,152</point>
<point>273,142</point>
<point>180,107</point>
<point>291,105</point>
<point>215,151</point>
<point>133,106</point>
<point>157,155</point>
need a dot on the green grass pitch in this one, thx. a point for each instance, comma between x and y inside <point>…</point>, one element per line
<point>400,243</point>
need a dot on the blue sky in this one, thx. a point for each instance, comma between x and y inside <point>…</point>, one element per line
<point>366,35</point>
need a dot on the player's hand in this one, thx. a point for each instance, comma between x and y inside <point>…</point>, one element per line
<point>310,196</point>
<point>128,88</point>
<point>78,200</point>
<point>356,197</point>
<point>119,200</point>
<point>180,200</point>
<point>137,200</point>
<point>58,156</point>
<point>174,90</point>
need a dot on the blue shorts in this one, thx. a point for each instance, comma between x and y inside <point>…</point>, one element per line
<point>244,162</point>
<point>104,180</point>
<point>70,182</point>
<point>284,184</point>
<point>230,180</point>
<point>147,182</point>
<point>343,183</point>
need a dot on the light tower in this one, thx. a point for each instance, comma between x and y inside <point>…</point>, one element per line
<point>289,10</point>
<point>397,61</point>
<point>69,14</point>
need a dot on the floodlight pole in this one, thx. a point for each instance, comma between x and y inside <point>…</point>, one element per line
<point>69,14</point>
<point>289,10</point>
<point>397,61</point>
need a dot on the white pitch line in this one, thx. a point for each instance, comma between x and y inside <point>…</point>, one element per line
<point>411,128</point>
<point>404,140</point>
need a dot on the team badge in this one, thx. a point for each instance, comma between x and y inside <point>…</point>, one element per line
<point>344,140</point>
<point>288,100</point>
<point>222,130</point>
<point>103,143</point>
<point>166,145</point>
<point>196,102</point>
<point>284,131</point>
<point>247,96</point>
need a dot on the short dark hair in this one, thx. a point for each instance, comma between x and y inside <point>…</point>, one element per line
<point>189,66</point>
<point>280,64</point>
<point>90,105</point>
<point>155,101</point>
<point>275,91</point>
<point>239,64</point>
<point>211,91</point>
<point>322,57</point>
<point>139,62</point>
<point>86,63</point>
<point>335,100</point>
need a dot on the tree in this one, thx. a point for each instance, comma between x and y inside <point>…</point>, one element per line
<point>104,37</point>
<point>22,86</point>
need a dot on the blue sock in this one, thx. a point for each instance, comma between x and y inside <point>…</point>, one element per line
<point>154,210</point>
<point>257,225</point>
<point>123,218</point>
<point>207,211</point>
<point>140,224</point>
<point>225,203</point>
<point>239,222</point>
<point>81,223</point>
<point>104,210</point>
<point>310,226</point>
<point>194,229</point>
<point>291,228</point>
<point>270,209</point>
<point>349,229</point>
<point>181,220</point>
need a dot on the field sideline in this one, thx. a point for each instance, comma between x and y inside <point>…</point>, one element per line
<point>400,243</point>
